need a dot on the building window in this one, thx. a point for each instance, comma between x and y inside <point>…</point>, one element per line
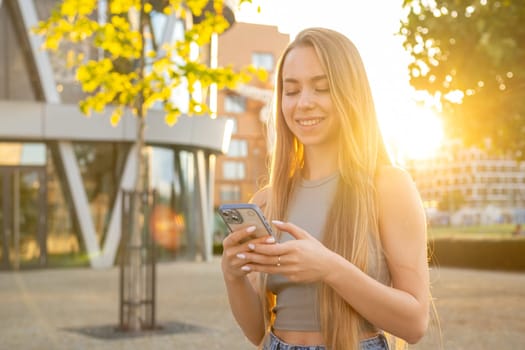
<point>234,104</point>
<point>232,170</point>
<point>230,193</point>
<point>238,148</point>
<point>13,153</point>
<point>263,60</point>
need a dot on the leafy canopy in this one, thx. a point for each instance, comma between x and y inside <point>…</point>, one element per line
<point>470,56</point>
<point>137,71</point>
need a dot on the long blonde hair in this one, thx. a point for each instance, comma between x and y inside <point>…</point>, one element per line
<point>353,218</point>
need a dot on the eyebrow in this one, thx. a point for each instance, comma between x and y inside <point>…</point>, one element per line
<point>313,79</point>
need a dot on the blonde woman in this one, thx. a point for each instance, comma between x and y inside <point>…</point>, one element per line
<point>348,266</point>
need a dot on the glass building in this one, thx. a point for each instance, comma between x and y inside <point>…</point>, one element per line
<point>61,173</point>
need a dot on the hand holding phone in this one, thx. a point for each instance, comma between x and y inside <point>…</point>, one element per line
<point>240,216</point>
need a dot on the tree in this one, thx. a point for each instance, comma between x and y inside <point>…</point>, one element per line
<point>470,56</point>
<point>138,72</point>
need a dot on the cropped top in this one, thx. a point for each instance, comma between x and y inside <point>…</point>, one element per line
<point>297,306</point>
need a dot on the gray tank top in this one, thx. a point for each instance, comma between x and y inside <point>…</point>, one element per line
<point>297,307</point>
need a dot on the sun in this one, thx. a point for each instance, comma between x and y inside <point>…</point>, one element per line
<point>416,133</point>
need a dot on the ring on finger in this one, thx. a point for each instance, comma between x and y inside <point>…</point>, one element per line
<point>278,261</point>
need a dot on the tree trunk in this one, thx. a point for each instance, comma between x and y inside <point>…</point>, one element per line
<point>141,186</point>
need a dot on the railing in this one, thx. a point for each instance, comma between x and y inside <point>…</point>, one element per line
<point>137,299</point>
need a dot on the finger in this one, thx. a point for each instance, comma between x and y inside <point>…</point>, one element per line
<point>269,249</point>
<point>234,263</point>
<point>232,251</point>
<point>236,237</point>
<point>269,269</point>
<point>261,259</point>
<point>295,231</point>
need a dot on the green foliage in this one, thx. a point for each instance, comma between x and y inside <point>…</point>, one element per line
<point>127,75</point>
<point>477,232</point>
<point>470,55</point>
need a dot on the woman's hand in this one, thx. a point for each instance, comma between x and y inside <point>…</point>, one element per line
<point>303,259</point>
<point>235,247</point>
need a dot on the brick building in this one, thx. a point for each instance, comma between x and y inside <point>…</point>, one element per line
<point>241,172</point>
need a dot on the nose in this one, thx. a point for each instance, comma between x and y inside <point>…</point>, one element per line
<point>306,99</point>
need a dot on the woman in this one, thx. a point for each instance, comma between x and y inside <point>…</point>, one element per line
<point>349,262</point>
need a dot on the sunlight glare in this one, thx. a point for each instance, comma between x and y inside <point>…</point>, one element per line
<point>410,131</point>
<point>416,135</point>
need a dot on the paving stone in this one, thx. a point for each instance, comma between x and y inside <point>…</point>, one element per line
<point>78,309</point>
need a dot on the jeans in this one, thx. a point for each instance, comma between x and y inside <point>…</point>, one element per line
<point>273,343</point>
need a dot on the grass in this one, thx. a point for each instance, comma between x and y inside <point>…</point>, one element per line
<point>68,260</point>
<point>486,231</point>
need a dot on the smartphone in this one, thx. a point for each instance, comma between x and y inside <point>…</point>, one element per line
<point>239,216</point>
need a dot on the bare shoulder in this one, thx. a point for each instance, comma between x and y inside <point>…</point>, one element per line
<point>400,207</point>
<point>391,179</point>
<point>261,197</point>
<point>397,194</point>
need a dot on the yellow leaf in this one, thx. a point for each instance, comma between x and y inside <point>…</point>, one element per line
<point>115,116</point>
<point>171,118</point>
<point>262,74</point>
<point>84,108</point>
<point>51,43</point>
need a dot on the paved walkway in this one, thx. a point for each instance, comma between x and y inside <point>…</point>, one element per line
<point>78,309</point>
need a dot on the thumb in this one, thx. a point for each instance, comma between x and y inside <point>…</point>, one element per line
<point>295,231</point>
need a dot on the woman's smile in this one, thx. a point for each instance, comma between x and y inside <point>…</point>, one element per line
<point>309,122</point>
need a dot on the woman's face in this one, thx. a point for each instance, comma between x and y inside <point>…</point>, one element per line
<point>306,101</point>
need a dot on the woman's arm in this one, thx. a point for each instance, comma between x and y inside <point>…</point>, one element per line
<point>244,296</point>
<point>246,304</point>
<point>402,309</point>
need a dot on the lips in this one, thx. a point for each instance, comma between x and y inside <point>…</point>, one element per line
<point>309,121</point>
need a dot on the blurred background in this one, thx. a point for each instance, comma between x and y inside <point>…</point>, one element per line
<point>447,78</point>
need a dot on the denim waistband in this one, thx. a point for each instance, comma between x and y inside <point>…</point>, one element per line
<point>375,343</point>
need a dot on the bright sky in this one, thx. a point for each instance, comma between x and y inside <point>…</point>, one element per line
<point>414,132</point>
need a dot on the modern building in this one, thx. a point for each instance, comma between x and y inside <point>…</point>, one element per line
<point>472,185</point>
<point>240,173</point>
<point>61,173</point>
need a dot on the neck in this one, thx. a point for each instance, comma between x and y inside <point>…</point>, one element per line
<point>320,162</point>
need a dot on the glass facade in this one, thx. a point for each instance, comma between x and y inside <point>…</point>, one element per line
<point>101,165</point>
<point>22,215</point>
<point>36,221</point>
<point>63,240</point>
<point>37,217</point>
<point>171,175</point>
<point>15,69</point>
